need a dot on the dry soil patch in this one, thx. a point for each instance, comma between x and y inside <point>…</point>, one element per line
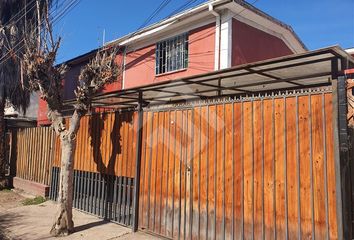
<point>10,199</point>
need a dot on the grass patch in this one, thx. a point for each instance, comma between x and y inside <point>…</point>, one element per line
<point>5,190</point>
<point>33,201</point>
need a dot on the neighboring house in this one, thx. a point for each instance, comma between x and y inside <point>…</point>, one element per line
<point>350,51</point>
<point>31,111</point>
<point>214,35</point>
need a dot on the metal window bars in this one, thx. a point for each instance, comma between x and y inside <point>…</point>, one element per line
<point>172,54</point>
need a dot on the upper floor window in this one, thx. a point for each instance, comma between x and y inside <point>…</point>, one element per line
<point>172,54</point>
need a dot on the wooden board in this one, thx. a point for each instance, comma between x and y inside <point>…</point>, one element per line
<point>292,168</point>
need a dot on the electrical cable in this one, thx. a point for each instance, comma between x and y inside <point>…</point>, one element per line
<point>237,14</point>
<point>181,8</point>
<point>57,18</point>
<point>20,12</point>
<point>36,30</point>
<point>22,39</point>
<point>188,3</point>
<point>161,6</point>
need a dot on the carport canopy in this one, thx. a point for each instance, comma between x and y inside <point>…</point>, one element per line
<point>301,71</point>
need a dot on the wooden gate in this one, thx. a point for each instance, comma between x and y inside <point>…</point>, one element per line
<point>104,166</point>
<point>247,168</point>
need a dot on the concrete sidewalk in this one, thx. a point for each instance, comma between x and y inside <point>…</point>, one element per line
<point>34,222</point>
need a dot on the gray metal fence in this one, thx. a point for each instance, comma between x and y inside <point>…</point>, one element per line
<point>106,196</point>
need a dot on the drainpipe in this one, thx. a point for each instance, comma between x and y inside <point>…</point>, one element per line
<point>123,66</point>
<point>218,24</point>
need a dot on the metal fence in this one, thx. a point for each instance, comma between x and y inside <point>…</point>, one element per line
<point>107,196</point>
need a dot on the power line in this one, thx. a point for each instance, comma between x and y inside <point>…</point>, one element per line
<point>57,18</point>
<point>161,6</point>
<point>188,3</point>
<point>10,22</point>
<point>66,10</point>
<point>13,23</point>
<point>183,7</point>
<point>20,12</point>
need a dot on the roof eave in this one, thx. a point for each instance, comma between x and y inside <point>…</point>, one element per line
<point>178,17</point>
<point>164,24</point>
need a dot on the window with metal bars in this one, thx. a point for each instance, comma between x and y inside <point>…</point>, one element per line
<point>172,54</point>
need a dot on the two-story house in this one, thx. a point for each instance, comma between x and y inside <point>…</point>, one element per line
<point>214,35</point>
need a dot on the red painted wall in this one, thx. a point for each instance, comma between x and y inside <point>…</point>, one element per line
<point>140,64</point>
<point>42,113</point>
<point>250,44</point>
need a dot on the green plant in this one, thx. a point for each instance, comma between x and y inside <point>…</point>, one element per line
<point>33,201</point>
<point>5,189</point>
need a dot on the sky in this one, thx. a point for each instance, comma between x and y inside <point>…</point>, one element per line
<point>318,23</point>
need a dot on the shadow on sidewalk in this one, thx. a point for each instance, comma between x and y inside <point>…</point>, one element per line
<point>7,220</point>
<point>89,225</point>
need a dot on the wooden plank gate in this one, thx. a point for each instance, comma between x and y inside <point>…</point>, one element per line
<point>104,166</point>
<point>243,168</point>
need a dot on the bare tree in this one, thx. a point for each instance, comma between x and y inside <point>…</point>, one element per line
<point>45,77</point>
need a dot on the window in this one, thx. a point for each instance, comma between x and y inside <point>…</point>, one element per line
<point>172,54</point>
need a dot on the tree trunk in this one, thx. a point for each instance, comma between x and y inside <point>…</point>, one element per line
<point>64,224</point>
<point>2,134</point>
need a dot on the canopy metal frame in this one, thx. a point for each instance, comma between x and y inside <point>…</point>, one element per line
<point>300,71</point>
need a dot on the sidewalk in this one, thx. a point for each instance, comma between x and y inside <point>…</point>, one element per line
<point>34,222</point>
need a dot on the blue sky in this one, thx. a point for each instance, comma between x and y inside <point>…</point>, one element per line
<point>319,23</point>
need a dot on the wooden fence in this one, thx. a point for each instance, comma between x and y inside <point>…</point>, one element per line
<point>249,168</point>
<point>35,149</point>
<point>244,169</point>
<point>105,144</point>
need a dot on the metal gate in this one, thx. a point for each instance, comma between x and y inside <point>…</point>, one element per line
<point>104,166</point>
<point>107,196</point>
<point>241,168</point>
